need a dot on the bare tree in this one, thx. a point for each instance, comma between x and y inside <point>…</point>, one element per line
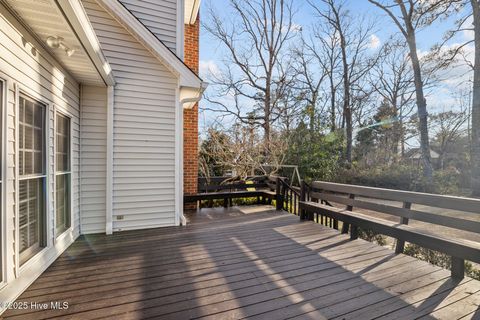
<point>476,101</point>
<point>238,151</point>
<point>409,16</point>
<point>257,70</point>
<point>392,79</point>
<point>311,75</point>
<point>448,127</point>
<point>354,40</point>
<point>474,15</point>
<point>319,72</point>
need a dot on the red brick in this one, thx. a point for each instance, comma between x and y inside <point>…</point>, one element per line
<point>190,117</point>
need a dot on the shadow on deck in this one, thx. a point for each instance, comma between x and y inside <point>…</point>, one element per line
<point>249,262</point>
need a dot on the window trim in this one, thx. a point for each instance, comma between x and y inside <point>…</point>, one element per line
<point>21,90</point>
<point>68,115</point>
<point>4,179</point>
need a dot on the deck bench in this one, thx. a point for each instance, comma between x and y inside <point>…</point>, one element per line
<point>219,188</point>
<point>318,194</point>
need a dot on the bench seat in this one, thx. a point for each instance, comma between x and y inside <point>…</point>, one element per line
<point>460,248</point>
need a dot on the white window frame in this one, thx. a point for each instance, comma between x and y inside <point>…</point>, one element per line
<point>68,115</point>
<point>25,91</point>
<point>3,190</point>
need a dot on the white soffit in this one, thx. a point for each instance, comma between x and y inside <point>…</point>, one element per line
<point>191,11</point>
<point>45,19</point>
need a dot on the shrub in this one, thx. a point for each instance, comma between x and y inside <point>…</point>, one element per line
<point>447,181</point>
<point>369,235</point>
<point>439,259</point>
<point>402,177</point>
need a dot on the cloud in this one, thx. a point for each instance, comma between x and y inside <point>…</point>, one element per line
<point>208,68</point>
<point>295,28</point>
<point>375,42</point>
<point>468,34</point>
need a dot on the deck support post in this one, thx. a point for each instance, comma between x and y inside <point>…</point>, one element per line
<point>353,232</point>
<point>346,226</point>
<point>225,202</point>
<point>401,243</point>
<point>278,194</point>
<point>458,268</point>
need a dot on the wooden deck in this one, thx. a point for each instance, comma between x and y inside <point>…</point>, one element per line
<point>249,262</point>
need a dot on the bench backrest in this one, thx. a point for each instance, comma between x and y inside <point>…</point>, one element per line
<point>218,184</point>
<point>403,204</point>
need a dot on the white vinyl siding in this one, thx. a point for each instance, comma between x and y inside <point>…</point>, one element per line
<point>144,128</point>
<point>93,159</point>
<point>159,16</point>
<point>29,69</point>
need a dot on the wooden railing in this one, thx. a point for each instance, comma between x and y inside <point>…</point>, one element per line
<point>289,197</point>
<point>353,206</point>
<point>266,189</point>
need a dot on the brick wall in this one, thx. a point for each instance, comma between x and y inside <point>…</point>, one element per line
<point>190,117</point>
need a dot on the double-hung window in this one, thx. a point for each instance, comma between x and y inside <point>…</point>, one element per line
<point>62,174</point>
<point>32,177</point>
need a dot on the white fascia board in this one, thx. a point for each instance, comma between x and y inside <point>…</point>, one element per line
<point>186,76</point>
<point>191,11</point>
<point>77,17</point>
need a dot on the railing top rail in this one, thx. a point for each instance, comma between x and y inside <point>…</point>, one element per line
<point>433,200</point>
<point>221,178</point>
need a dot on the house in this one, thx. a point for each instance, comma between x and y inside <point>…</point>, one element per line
<point>414,155</point>
<point>98,123</point>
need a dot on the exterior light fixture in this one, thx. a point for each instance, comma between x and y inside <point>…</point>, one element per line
<point>58,43</point>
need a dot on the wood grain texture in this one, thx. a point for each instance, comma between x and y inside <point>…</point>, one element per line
<point>249,262</point>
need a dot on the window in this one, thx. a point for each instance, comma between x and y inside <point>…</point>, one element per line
<point>32,179</point>
<point>62,173</point>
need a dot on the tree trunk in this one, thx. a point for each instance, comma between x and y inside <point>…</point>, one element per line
<point>333,117</point>
<point>396,130</point>
<point>347,111</point>
<point>475,158</point>
<point>266,120</point>
<point>421,105</point>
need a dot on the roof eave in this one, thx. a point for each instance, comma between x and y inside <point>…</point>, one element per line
<point>191,12</point>
<point>187,77</point>
<point>77,17</point>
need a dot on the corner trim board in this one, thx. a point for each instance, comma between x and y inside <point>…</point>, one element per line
<point>109,173</point>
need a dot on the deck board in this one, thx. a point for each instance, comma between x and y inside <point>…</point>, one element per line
<point>249,262</point>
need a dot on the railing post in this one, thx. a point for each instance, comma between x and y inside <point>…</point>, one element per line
<point>401,243</point>
<point>278,194</point>
<point>303,197</point>
<point>346,226</point>
<point>458,268</point>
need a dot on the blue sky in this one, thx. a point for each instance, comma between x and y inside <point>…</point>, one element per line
<point>306,18</point>
<point>211,53</point>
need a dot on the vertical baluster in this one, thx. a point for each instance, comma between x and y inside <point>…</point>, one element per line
<point>294,201</point>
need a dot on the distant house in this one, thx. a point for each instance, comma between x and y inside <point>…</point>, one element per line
<point>98,125</point>
<point>414,155</point>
